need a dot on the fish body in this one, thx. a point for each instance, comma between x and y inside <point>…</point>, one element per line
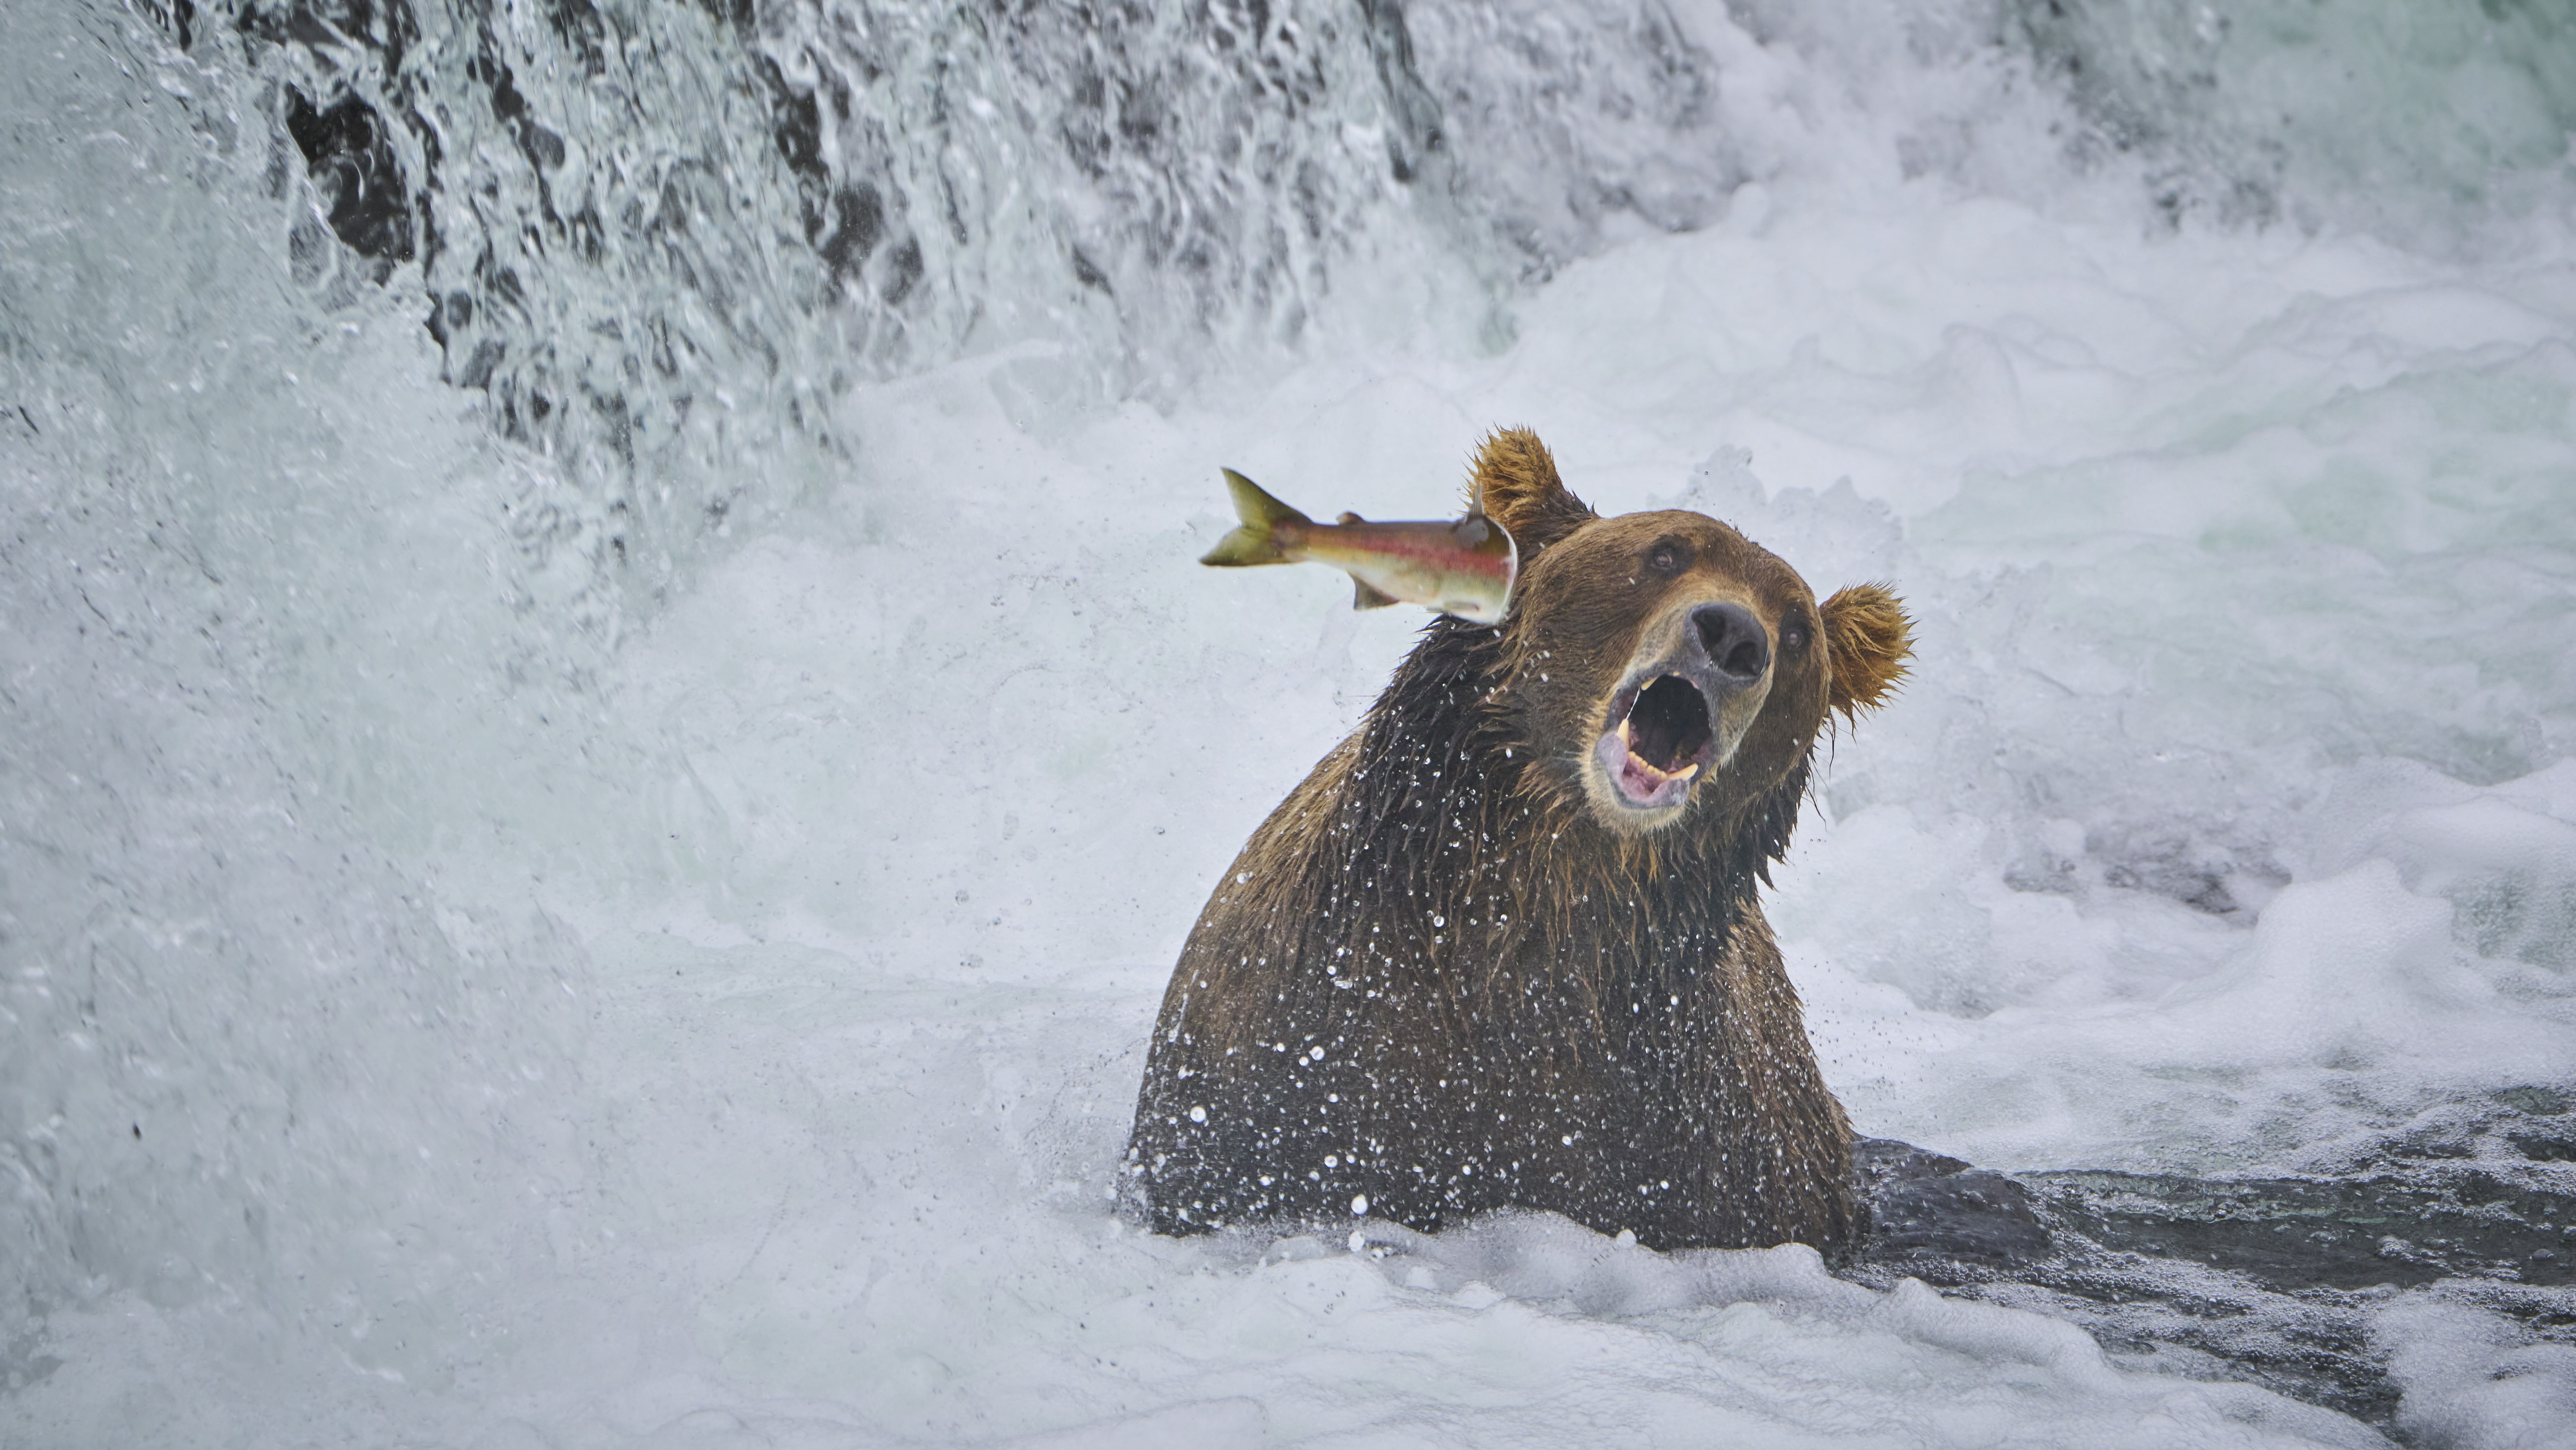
<point>1465,567</point>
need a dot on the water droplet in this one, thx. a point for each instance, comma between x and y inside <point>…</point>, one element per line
<point>1198,1115</point>
<point>1359,1205</point>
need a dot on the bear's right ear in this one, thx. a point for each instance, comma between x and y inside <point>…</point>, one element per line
<point>1517,482</point>
<point>1868,639</point>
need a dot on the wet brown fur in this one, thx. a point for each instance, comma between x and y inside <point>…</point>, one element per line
<point>1520,1004</point>
<point>1867,627</point>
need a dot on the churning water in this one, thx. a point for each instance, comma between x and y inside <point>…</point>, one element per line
<point>607,729</point>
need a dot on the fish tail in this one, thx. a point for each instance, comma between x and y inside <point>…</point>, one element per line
<point>1257,541</point>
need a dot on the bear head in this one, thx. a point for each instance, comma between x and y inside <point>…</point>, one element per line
<point>1665,667</point>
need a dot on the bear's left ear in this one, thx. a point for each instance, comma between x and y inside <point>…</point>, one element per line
<point>1868,639</point>
<point>1517,483</point>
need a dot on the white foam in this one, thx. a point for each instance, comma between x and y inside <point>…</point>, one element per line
<point>2476,1379</point>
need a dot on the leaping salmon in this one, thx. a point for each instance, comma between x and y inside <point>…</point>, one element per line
<point>1465,568</point>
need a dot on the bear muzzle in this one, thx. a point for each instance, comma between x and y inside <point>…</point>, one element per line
<point>1690,693</point>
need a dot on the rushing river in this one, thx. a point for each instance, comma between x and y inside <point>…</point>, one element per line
<point>607,725</point>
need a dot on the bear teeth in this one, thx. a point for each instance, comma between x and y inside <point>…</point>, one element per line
<point>1636,762</point>
<point>1656,774</point>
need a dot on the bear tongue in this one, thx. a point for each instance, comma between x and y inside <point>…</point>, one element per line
<point>1636,779</point>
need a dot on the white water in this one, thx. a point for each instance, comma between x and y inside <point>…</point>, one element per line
<point>459,994</point>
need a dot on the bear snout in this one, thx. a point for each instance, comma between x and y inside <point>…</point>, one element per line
<point>1737,646</point>
<point>1690,693</point>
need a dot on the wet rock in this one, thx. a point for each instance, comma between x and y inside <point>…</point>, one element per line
<point>2276,1279</point>
<point>1924,1203</point>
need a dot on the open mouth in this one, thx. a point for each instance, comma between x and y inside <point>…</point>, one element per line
<point>1660,743</point>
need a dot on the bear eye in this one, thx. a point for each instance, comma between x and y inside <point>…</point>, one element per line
<point>1668,557</point>
<point>1793,633</point>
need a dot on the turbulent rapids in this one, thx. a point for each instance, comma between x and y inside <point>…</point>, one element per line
<point>606,730</point>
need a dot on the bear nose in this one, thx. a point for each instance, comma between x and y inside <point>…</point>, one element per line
<point>1734,639</point>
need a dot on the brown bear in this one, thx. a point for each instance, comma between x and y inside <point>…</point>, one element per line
<point>1502,948</point>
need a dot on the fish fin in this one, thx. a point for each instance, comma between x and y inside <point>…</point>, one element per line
<point>1366,596</point>
<point>1256,542</point>
<point>1350,518</point>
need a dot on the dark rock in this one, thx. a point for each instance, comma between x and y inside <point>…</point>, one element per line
<point>352,163</point>
<point>1924,1203</point>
